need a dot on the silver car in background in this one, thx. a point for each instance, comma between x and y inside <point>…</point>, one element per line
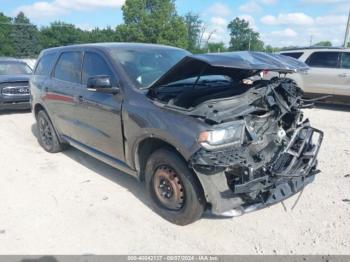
<point>329,72</point>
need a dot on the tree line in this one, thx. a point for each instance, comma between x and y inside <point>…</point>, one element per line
<point>146,21</point>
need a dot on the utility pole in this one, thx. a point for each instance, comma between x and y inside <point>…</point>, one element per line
<point>250,39</point>
<point>311,36</point>
<point>346,37</point>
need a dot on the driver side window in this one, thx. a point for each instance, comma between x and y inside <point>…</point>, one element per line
<point>94,65</point>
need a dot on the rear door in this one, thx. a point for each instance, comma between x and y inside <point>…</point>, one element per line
<point>98,115</point>
<point>323,74</point>
<point>60,91</point>
<point>344,76</point>
<point>40,79</point>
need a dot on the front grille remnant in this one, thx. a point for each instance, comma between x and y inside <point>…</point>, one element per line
<point>15,90</point>
<point>281,163</point>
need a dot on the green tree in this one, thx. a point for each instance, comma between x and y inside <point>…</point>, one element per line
<point>24,37</point>
<point>216,47</point>
<point>271,49</point>
<point>284,48</point>
<point>60,33</point>
<point>194,28</point>
<point>101,35</point>
<point>324,43</point>
<point>6,48</point>
<point>152,21</point>
<point>243,37</point>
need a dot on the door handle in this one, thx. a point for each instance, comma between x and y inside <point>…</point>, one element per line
<point>46,89</point>
<point>343,75</point>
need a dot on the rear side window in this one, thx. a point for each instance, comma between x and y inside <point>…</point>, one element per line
<point>345,60</point>
<point>94,65</point>
<point>323,59</point>
<point>45,64</point>
<point>295,55</point>
<point>68,67</point>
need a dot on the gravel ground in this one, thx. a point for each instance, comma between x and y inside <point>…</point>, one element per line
<point>70,203</point>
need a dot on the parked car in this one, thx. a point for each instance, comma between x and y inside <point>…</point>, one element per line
<point>186,125</point>
<point>14,86</point>
<point>329,72</point>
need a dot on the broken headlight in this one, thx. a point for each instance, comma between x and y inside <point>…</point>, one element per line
<point>223,136</point>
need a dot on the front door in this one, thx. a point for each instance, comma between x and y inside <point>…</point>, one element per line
<point>323,73</point>
<point>98,115</point>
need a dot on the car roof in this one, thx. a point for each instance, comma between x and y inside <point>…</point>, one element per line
<point>315,48</point>
<point>111,45</point>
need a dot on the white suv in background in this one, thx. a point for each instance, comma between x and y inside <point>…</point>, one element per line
<point>329,71</point>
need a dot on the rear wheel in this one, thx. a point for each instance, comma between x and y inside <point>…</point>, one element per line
<point>176,193</point>
<point>47,136</point>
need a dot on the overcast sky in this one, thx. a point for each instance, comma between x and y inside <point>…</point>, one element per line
<point>280,22</point>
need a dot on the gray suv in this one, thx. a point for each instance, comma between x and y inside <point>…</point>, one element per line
<point>191,127</point>
<point>14,87</point>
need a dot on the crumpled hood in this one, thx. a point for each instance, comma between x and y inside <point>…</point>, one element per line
<point>237,65</point>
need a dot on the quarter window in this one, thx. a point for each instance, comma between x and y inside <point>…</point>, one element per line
<point>68,67</point>
<point>94,65</point>
<point>323,59</point>
<point>345,60</point>
<point>295,55</point>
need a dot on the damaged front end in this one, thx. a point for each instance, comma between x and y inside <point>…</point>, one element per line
<point>259,149</point>
<point>274,158</point>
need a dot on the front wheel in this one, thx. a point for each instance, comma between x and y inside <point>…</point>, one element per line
<point>176,193</point>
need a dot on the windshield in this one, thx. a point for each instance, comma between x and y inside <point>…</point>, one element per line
<point>145,66</point>
<point>14,68</point>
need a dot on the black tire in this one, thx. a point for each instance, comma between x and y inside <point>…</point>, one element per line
<point>47,135</point>
<point>193,202</point>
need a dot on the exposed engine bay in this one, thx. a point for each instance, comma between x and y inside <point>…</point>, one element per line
<point>278,147</point>
<point>260,150</point>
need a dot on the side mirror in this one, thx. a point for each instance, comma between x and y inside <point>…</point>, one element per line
<point>101,84</point>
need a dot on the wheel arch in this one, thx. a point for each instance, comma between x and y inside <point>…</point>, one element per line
<point>146,147</point>
<point>40,107</point>
<point>37,108</point>
<point>144,150</point>
<point>151,144</point>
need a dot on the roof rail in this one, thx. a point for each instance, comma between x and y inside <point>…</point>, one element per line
<point>313,47</point>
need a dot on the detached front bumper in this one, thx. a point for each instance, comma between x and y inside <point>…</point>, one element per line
<point>289,172</point>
